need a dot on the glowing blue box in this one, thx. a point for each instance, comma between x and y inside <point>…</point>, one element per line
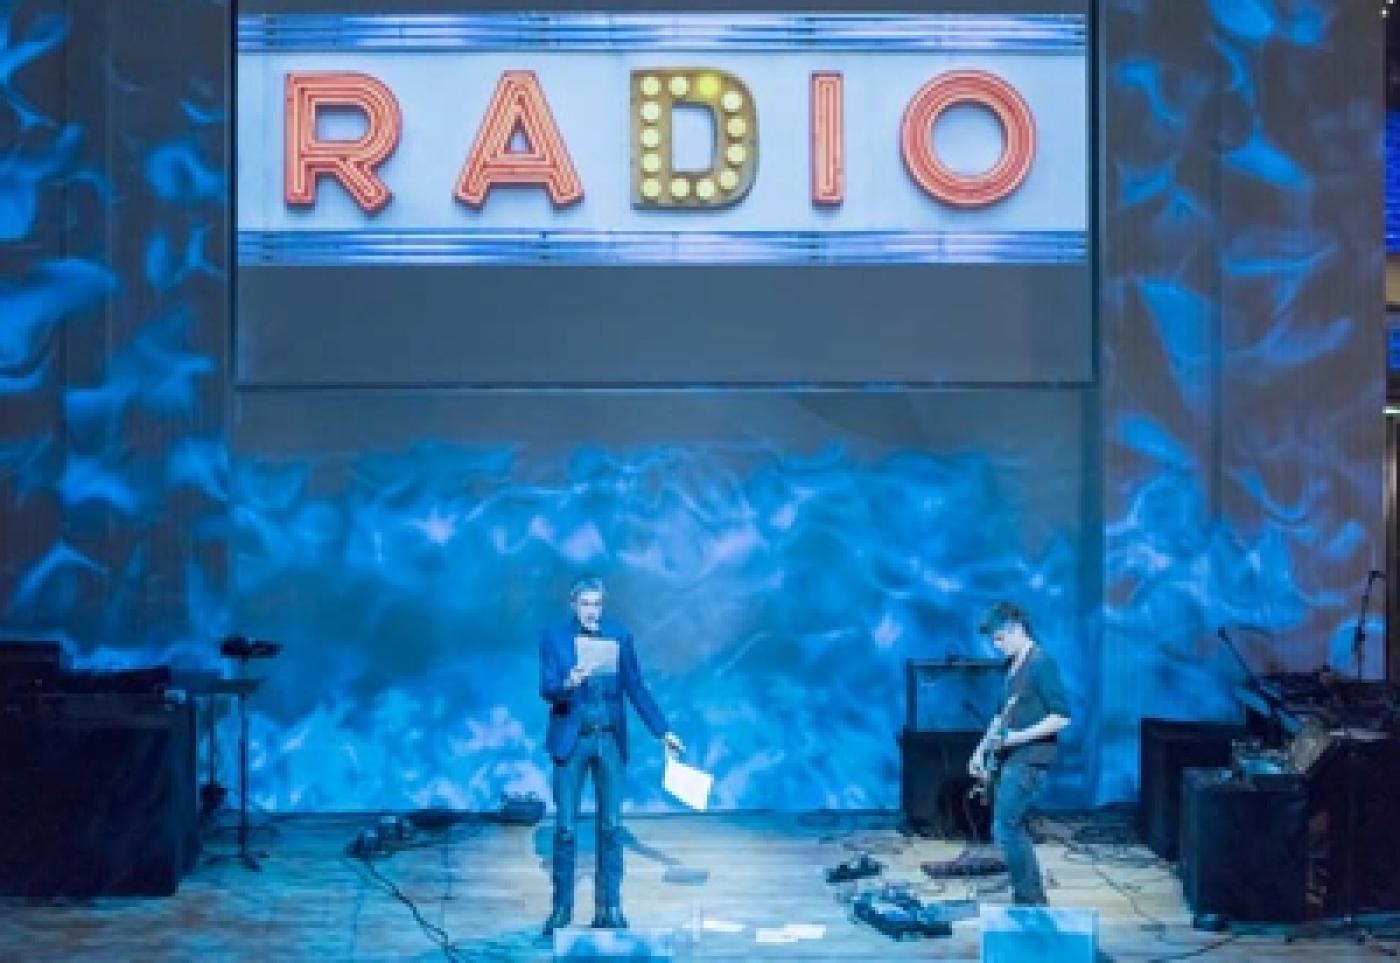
<point>1042,934</point>
<point>581,943</point>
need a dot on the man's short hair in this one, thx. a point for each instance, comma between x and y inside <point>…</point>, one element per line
<point>589,584</point>
<point>1003,615</point>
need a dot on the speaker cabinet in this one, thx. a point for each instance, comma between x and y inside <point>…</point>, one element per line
<point>1244,849</point>
<point>952,695</point>
<point>1167,749</point>
<point>934,785</point>
<point>96,799</point>
<point>1354,789</point>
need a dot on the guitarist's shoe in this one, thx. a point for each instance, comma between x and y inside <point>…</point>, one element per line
<point>974,861</point>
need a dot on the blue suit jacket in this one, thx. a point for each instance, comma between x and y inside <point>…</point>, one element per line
<point>557,659</point>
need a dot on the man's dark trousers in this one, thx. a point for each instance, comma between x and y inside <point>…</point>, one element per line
<point>597,751</point>
<point>1018,782</point>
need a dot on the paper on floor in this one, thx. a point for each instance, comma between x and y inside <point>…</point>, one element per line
<point>790,933</point>
<point>721,926</point>
<point>778,935</point>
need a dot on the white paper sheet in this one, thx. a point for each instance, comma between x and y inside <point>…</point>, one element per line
<point>772,936</point>
<point>688,784</point>
<point>598,656</point>
<point>790,933</point>
<point>721,926</point>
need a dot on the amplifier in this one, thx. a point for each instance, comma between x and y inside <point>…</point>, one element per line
<point>1244,848</point>
<point>933,785</point>
<point>1352,791</point>
<point>1168,748</point>
<point>952,695</point>
<point>97,796</point>
<point>29,666</point>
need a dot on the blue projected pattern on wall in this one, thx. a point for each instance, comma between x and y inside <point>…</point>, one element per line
<point>774,592</point>
<point>112,461</point>
<point>1242,391</point>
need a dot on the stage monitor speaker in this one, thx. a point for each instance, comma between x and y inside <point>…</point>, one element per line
<point>1016,934</point>
<point>1354,789</point>
<point>30,666</point>
<point>1244,848</point>
<point>97,797</point>
<point>576,943</point>
<point>1168,748</point>
<point>934,784</point>
<point>951,695</point>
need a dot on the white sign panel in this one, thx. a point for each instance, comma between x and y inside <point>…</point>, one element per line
<point>578,138</point>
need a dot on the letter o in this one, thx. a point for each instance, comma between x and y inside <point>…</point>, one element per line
<point>1011,111</point>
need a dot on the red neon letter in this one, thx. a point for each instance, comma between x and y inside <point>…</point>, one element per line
<point>519,105</point>
<point>977,87</point>
<point>351,162</point>
<point>828,139</point>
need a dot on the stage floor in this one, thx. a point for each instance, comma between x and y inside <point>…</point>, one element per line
<point>487,887</point>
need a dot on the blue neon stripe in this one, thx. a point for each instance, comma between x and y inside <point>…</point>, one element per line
<point>599,247</point>
<point>592,31</point>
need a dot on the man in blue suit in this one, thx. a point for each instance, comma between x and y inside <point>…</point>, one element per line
<point>588,730</point>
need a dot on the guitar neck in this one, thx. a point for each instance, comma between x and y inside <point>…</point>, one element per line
<point>1003,717</point>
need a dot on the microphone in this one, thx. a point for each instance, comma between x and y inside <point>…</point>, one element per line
<point>1376,574</point>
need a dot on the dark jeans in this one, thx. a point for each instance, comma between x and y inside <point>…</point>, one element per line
<point>1017,784</point>
<point>598,752</point>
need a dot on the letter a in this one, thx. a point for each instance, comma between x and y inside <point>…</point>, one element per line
<point>518,106</point>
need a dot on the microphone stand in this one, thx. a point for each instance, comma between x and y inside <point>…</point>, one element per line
<point>1358,640</point>
<point>1350,910</point>
<point>241,651</point>
<point>1274,720</point>
<point>1230,644</point>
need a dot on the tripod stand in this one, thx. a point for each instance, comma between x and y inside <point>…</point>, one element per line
<point>240,689</point>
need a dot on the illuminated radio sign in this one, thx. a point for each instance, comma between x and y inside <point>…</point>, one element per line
<point>670,138</point>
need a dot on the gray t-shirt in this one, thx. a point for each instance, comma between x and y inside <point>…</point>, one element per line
<point>1040,693</point>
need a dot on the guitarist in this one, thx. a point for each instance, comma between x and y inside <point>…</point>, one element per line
<point>1025,743</point>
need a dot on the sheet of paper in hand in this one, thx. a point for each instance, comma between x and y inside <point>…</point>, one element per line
<point>598,656</point>
<point>688,784</point>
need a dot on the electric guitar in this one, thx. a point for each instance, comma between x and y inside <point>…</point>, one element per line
<point>989,755</point>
